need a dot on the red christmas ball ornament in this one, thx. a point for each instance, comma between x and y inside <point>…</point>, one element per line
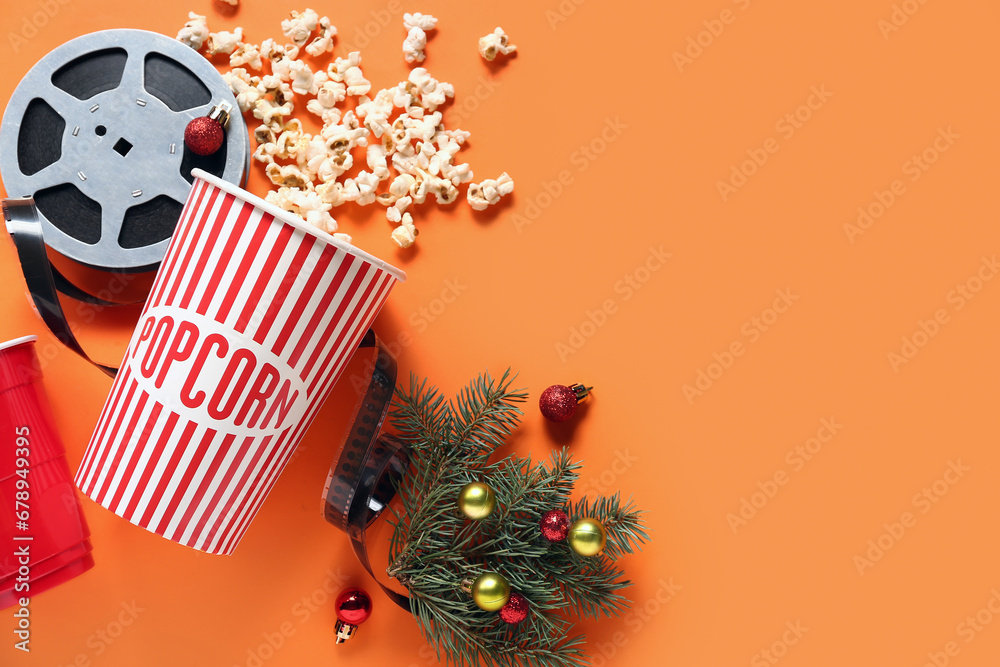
<point>558,402</point>
<point>555,525</point>
<point>205,135</point>
<point>516,609</point>
<point>353,608</point>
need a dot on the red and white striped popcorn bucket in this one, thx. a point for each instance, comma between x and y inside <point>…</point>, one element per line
<point>251,320</point>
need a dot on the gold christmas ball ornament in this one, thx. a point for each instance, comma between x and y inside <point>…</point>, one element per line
<point>476,500</point>
<point>490,591</point>
<point>587,537</point>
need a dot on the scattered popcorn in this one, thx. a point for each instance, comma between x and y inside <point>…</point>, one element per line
<point>282,63</point>
<point>274,52</point>
<point>195,32</point>
<point>402,184</point>
<point>348,71</point>
<point>324,41</point>
<point>394,213</point>
<point>292,142</point>
<point>376,158</point>
<point>332,192</point>
<point>279,198</point>
<point>300,27</point>
<point>325,103</point>
<point>306,203</point>
<point>266,144</point>
<point>303,80</point>
<point>414,44</point>
<point>366,183</point>
<point>406,233</point>
<point>288,175</point>
<point>495,43</point>
<point>425,22</point>
<point>410,154</point>
<point>444,190</point>
<point>330,93</point>
<point>275,89</point>
<point>489,192</point>
<point>271,114</point>
<point>310,153</point>
<point>417,26</point>
<point>432,92</point>
<point>246,55</point>
<point>244,87</point>
<point>443,161</point>
<point>224,42</point>
<point>376,112</point>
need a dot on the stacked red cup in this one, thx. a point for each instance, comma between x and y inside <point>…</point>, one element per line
<point>44,534</point>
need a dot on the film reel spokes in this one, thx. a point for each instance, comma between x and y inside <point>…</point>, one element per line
<point>95,134</point>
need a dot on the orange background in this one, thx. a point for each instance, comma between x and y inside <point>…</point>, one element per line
<point>709,590</point>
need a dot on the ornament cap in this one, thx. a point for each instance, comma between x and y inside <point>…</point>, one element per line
<point>221,112</point>
<point>345,631</point>
<point>582,392</point>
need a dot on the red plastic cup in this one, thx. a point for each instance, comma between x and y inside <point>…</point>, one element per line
<point>251,320</point>
<point>45,537</point>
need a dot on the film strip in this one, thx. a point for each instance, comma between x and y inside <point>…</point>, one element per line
<point>368,465</point>
<point>41,278</point>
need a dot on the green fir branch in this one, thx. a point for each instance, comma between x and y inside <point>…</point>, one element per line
<point>591,585</point>
<point>434,547</point>
<point>421,416</point>
<point>623,523</point>
<point>485,414</point>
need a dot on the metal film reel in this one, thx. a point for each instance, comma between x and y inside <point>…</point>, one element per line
<point>95,134</point>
